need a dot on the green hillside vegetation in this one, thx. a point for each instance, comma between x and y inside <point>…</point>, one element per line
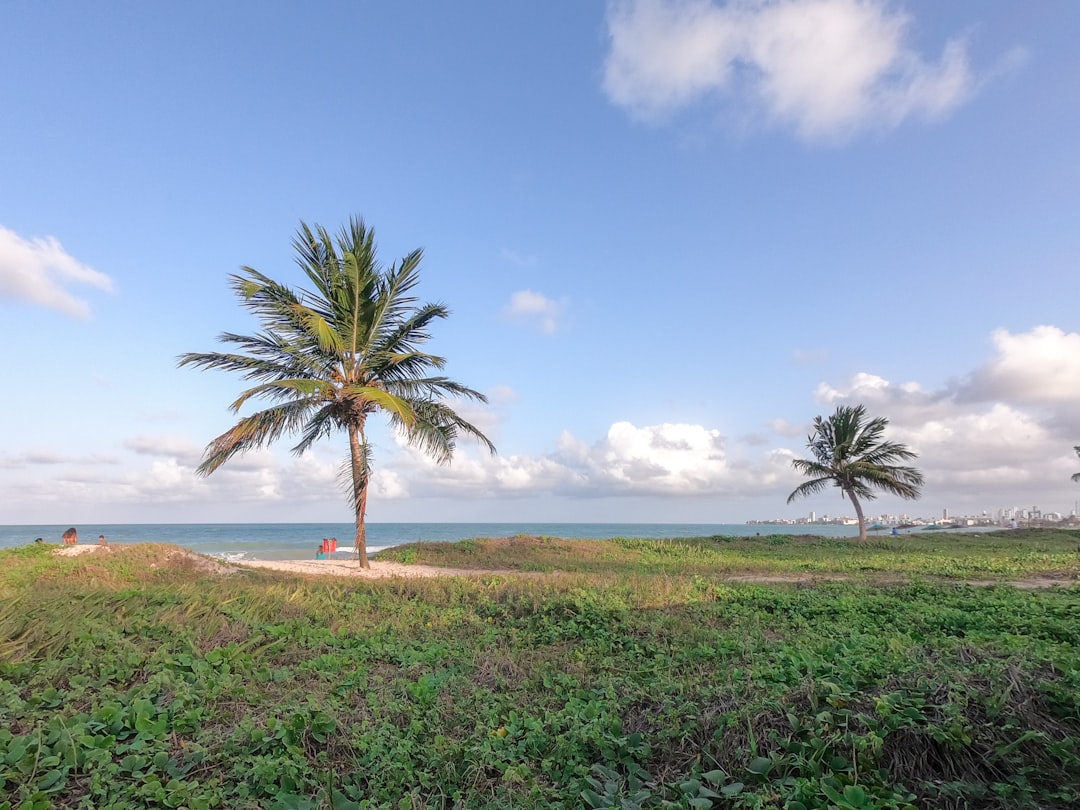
<point>596,674</point>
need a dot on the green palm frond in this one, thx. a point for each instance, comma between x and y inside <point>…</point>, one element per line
<point>381,399</point>
<point>437,429</point>
<point>407,366</point>
<point>250,367</point>
<point>252,432</point>
<point>435,388</point>
<point>321,424</point>
<point>408,334</point>
<point>812,487</point>
<point>317,325</point>
<point>289,390</point>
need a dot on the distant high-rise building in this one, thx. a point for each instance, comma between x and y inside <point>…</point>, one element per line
<point>813,516</point>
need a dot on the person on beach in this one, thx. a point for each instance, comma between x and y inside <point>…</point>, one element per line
<point>70,537</point>
<point>101,540</point>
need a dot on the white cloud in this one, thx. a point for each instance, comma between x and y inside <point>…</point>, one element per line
<point>1007,429</point>
<point>535,308</point>
<point>663,460</point>
<point>47,456</point>
<point>872,390</point>
<point>827,68</point>
<point>782,427</point>
<point>178,447</point>
<point>1041,366</point>
<point>39,270</point>
<point>502,394</point>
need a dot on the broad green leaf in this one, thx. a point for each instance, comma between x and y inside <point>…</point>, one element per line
<point>760,766</point>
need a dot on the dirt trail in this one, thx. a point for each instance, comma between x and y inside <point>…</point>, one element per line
<point>384,570</point>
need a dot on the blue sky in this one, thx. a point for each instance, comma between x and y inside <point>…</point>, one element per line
<point>670,234</point>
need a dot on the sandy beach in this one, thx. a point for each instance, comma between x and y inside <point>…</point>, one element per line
<point>336,568</point>
<point>350,568</point>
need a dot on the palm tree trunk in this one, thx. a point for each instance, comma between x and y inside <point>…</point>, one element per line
<point>859,515</point>
<point>358,454</point>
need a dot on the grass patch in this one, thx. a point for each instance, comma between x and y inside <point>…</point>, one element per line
<point>638,676</point>
<point>995,555</point>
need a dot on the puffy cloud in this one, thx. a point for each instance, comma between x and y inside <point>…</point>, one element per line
<point>1007,429</point>
<point>972,439</point>
<point>901,399</point>
<point>38,270</point>
<point>535,308</point>
<point>47,456</point>
<point>672,459</point>
<point>1041,367</point>
<point>828,68</point>
<point>178,447</point>
<point>784,428</point>
<point>663,460</point>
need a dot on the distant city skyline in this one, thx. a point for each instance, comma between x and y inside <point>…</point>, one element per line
<point>1001,515</point>
<point>670,234</point>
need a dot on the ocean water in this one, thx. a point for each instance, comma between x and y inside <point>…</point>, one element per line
<point>290,541</point>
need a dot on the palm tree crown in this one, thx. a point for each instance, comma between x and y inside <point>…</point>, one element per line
<point>329,357</point>
<point>851,454</point>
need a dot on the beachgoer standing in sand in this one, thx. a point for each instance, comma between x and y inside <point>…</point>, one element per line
<point>101,540</point>
<point>70,537</point>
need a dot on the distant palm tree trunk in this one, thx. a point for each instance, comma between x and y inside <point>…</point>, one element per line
<point>358,452</point>
<point>858,514</point>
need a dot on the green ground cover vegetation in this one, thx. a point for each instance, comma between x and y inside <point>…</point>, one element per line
<point>615,674</point>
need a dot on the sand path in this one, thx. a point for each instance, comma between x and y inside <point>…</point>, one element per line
<point>335,568</point>
<point>387,570</point>
<point>350,568</point>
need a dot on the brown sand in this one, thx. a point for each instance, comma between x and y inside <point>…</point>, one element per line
<point>351,568</point>
<point>75,551</point>
<point>335,568</point>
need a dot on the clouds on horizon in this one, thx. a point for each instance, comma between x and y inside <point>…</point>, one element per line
<point>1002,433</point>
<point>40,271</point>
<point>1007,427</point>
<point>825,68</point>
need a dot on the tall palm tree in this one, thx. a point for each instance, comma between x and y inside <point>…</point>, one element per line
<point>850,453</point>
<point>329,357</point>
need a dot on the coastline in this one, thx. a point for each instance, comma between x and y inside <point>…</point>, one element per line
<point>299,541</point>
<point>335,568</point>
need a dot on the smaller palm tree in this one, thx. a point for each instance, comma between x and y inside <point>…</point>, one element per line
<point>1076,476</point>
<point>850,453</point>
